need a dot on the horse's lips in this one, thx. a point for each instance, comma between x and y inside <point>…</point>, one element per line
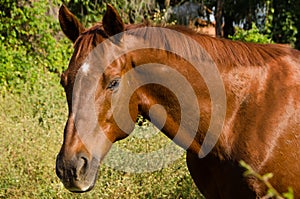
<point>76,188</point>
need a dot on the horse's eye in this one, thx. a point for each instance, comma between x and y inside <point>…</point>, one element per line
<point>113,84</point>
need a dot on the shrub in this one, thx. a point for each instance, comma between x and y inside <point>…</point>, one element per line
<point>28,43</point>
<point>252,35</point>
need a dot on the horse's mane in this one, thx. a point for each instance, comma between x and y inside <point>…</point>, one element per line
<point>222,51</point>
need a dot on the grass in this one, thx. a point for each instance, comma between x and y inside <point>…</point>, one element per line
<point>31,127</point>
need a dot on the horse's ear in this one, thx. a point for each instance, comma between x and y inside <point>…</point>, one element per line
<point>112,22</point>
<point>69,24</point>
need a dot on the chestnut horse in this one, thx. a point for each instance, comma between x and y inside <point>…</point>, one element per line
<point>261,123</point>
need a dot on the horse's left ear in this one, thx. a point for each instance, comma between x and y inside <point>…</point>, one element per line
<point>112,22</point>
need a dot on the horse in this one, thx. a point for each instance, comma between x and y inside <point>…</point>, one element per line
<point>259,122</point>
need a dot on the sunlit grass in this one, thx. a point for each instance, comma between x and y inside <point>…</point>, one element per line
<point>31,127</point>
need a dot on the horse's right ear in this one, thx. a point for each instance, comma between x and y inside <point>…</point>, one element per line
<point>112,22</point>
<point>69,24</point>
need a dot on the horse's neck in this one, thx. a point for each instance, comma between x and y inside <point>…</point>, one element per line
<point>237,84</point>
<point>170,89</point>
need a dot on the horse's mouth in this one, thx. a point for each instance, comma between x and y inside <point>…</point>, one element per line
<point>80,186</point>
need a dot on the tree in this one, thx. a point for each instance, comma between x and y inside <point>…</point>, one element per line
<point>218,17</point>
<point>280,19</point>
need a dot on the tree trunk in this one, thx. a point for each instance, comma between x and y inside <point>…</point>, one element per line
<point>228,26</point>
<point>218,17</point>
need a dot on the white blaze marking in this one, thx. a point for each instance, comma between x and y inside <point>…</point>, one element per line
<point>85,67</point>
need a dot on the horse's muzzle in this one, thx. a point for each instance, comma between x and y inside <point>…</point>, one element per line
<point>78,174</point>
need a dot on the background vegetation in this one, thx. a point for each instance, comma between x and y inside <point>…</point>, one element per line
<point>33,53</point>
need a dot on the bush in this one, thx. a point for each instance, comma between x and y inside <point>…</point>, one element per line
<point>252,35</point>
<point>28,43</point>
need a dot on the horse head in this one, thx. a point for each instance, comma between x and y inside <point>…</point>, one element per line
<point>91,84</point>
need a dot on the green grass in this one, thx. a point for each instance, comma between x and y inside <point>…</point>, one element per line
<point>31,127</point>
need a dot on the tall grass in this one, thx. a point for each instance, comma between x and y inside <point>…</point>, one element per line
<point>31,127</point>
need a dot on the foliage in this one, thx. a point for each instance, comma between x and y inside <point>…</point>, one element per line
<point>160,17</point>
<point>252,35</point>
<point>281,21</point>
<point>90,11</point>
<point>29,44</point>
<point>131,11</point>
<point>272,192</point>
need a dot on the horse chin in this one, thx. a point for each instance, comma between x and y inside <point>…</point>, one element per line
<point>81,188</point>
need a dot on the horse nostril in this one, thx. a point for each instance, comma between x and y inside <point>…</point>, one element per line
<point>82,166</point>
<point>75,169</point>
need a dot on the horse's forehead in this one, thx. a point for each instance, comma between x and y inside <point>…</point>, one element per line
<point>88,59</point>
